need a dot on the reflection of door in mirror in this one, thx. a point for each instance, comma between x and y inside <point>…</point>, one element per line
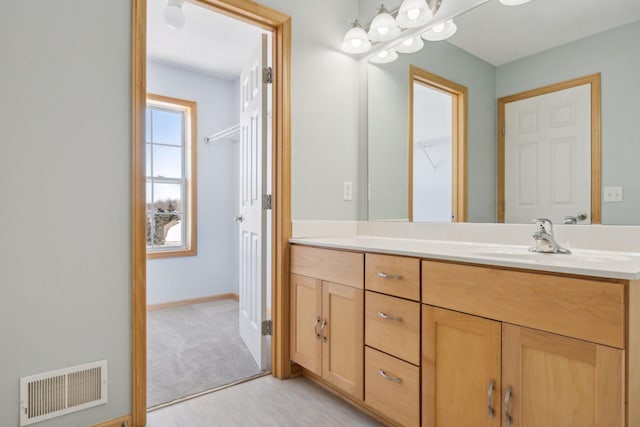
<point>437,148</point>
<point>549,153</point>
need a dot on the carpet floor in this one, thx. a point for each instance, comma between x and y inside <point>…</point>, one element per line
<point>194,348</point>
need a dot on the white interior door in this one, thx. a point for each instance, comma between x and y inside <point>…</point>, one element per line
<point>548,156</point>
<point>253,180</point>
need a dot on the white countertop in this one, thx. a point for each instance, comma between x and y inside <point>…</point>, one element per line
<point>606,264</point>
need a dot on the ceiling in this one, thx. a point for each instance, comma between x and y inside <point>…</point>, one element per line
<point>219,45</point>
<point>500,34</point>
<point>209,42</point>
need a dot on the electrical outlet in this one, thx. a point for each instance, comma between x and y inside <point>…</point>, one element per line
<point>612,194</point>
<point>347,192</point>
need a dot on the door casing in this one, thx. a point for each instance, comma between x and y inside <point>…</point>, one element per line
<point>280,26</point>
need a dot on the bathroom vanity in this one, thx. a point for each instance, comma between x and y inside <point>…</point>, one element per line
<point>442,333</point>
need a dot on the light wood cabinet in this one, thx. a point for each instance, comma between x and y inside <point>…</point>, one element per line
<point>460,369</point>
<point>392,387</point>
<point>392,325</point>
<point>443,344</point>
<point>326,324</point>
<point>560,381</point>
<point>479,372</point>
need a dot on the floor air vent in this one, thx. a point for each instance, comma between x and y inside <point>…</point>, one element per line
<point>61,392</point>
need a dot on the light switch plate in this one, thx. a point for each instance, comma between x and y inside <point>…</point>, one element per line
<point>612,194</point>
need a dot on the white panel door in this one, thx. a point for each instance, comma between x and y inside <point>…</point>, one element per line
<point>548,156</point>
<point>253,156</point>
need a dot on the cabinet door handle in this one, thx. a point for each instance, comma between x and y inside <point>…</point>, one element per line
<point>507,400</point>
<point>389,276</point>
<point>387,317</point>
<point>324,323</point>
<point>492,387</point>
<point>384,375</point>
<point>315,327</point>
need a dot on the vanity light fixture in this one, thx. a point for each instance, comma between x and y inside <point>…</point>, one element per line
<point>442,31</point>
<point>174,15</point>
<point>414,13</point>
<point>384,57</point>
<point>513,2</point>
<point>383,27</point>
<point>356,41</point>
<point>411,45</point>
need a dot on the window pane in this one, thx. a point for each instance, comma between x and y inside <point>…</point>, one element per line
<point>167,197</point>
<point>148,159</point>
<point>147,122</point>
<point>167,230</point>
<point>149,230</point>
<point>167,127</point>
<point>149,195</point>
<point>167,161</point>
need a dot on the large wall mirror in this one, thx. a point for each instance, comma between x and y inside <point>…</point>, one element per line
<point>502,51</point>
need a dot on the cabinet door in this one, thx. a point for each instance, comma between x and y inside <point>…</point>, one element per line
<point>557,381</point>
<point>343,341</point>
<point>460,369</point>
<point>306,313</point>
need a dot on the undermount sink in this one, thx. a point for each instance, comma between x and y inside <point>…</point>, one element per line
<point>524,254</point>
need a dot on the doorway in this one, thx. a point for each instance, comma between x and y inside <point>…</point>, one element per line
<point>279,25</point>
<point>207,142</point>
<point>437,148</point>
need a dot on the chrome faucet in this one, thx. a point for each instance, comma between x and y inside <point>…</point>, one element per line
<point>545,242</point>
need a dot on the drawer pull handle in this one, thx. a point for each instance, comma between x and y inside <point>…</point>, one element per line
<point>389,276</point>
<point>315,327</point>
<point>507,399</point>
<point>492,387</point>
<point>324,323</point>
<point>387,317</point>
<point>384,375</point>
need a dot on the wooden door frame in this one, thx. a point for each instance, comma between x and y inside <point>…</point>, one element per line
<point>596,168</point>
<point>459,115</point>
<point>280,26</point>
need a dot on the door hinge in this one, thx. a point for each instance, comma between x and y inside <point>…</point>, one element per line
<point>267,202</point>
<point>266,327</point>
<point>503,129</point>
<point>267,75</point>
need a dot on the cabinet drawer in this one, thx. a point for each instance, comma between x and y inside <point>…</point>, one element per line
<point>342,267</point>
<point>393,275</point>
<point>392,325</point>
<point>587,309</point>
<point>392,387</point>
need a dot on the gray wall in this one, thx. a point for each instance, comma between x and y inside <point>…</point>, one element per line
<point>388,124</point>
<point>614,54</point>
<point>65,185</point>
<point>65,177</point>
<point>214,270</point>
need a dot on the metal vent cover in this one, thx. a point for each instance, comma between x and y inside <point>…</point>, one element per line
<point>55,393</point>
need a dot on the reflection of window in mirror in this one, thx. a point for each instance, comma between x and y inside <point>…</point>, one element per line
<point>437,148</point>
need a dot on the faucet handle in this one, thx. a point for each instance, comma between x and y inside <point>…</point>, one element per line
<point>544,224</point>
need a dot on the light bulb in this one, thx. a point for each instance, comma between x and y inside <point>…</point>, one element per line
<point>384,57</point>
<point>383,27</point>
<point>413,13</point>
<point>442,31</point>
<point>356,41</point>
<point>174,15</point>
<point>411,45</point>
